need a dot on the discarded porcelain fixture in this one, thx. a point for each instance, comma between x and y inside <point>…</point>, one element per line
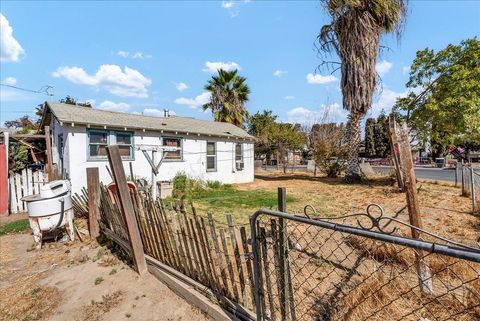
<point>51,209</point>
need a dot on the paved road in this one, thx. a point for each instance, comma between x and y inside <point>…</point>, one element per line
<point>423,173</point>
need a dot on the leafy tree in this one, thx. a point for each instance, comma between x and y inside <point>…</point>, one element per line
<point>259,126</point>
<point>447,110</point>
<point>229,92</point>
<point>17,156</point>
<point>370,126</point>
<point>354,35</point>
<point>72,101</point>
<point>25,123</point>
<point>382,142</point>
<point>285,138</point>
<point>328,147</point>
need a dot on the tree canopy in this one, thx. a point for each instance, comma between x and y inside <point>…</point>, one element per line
<point>229,92</point>
<point>446,111</point>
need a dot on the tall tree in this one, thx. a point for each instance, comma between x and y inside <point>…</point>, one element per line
<point>286,138</point>
<point>259,125</point>
<point>328,147</point>
<point>447,110</point>
<point>229,92</point>
<point>370,138</point>
<point>72,101</point>
<point>382,142</point>
<point>354,35</point>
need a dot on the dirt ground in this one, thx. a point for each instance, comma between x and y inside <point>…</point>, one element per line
<point>444,211</point>
<point>79,281</point>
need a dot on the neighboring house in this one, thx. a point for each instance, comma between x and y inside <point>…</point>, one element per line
<point>206,150</point>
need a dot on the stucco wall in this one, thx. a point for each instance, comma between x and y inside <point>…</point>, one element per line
<point>193,163</point>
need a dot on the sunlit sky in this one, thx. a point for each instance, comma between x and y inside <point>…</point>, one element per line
<point>146,56</point>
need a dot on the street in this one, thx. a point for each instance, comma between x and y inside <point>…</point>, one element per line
<point>423,173</point>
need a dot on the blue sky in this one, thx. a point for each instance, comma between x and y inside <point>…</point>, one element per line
<point>147,56</point>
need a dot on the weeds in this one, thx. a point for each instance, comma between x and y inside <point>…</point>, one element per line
<point>15,227</point>
<point>98,280</point>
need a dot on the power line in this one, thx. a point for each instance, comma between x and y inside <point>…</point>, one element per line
<point>47,89</point>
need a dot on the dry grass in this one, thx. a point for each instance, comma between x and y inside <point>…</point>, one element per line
<point>26,300</point>
<point>96,310</point>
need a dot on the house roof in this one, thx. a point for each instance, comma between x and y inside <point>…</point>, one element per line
<point>95,117</point>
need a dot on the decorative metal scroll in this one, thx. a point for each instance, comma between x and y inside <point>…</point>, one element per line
<point>375,221</point>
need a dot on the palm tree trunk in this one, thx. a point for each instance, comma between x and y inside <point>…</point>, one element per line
<point>353,135</point>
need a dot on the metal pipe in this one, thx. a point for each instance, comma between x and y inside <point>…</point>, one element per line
<point>472,183</point>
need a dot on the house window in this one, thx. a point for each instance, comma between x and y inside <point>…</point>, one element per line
<point>175,155</point>
<point>239,165</point>
<point>97,144</point>
<point>124,142</point>
<point>211,157</point>
<point>98,140</point>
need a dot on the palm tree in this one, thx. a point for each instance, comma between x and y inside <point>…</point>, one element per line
<point>228,95</point>
<point>354,35</point>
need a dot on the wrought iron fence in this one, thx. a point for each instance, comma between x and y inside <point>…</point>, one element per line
<point>360,267</point>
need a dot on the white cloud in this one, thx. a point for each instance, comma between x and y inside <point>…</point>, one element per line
<point>228,4</point>
<point>156,112</point>
<point>90,101</point>
<point>196,102</point>
<point>11,81</point>
<point>383,67</point>
<point>181,86</point>
<point>319,79</point>
<point>405,70</point>
<point>213,67</point>
<point>385,100</point>
<point>331,113</point>
<point>10,49</point>
<point>289,97</point>
<point>112,106</point>
<point>136,55</point>
<point>126,83</point>
<point>279,73</point>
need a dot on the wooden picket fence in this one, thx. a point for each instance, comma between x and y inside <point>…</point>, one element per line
<point>23,183</point>
<point>217,255</point>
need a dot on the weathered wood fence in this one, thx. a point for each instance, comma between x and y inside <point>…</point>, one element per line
<point>26,182</point>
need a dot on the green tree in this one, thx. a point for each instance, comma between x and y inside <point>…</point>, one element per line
<point>259,125</point>
<point>72,101</point>
<point>370,150</point>
<point>354,35</point>
<point>229,92</point>
<point>285,138</point>
<point>328,147</point>
<point>447,110</point>
<point>382,142</point>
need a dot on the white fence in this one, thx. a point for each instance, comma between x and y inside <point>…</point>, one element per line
<point>26,182</point>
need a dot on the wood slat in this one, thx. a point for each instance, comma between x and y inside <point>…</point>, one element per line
<point>220,262</point>
<point>229,265</point>
<point>248,262</point>
<point>236,254</point>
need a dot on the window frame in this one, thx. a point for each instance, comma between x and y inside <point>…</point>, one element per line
<point>111,140</point>
<point>242,159</point>
<point>180,139</point>
<point>214,169</point>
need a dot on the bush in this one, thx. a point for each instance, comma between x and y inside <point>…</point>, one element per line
<point>185,187</point>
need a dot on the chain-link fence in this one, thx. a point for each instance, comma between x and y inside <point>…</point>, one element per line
<point>468,177</point>
<point>363,269</point>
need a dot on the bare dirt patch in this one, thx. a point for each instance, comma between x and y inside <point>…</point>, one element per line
<point>58,283</point>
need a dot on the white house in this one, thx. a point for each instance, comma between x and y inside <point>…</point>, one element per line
<point>205,149</point>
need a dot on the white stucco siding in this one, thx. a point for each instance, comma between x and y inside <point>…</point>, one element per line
<point>193,163</point>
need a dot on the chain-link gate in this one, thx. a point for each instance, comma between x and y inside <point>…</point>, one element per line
<point>360,267</point>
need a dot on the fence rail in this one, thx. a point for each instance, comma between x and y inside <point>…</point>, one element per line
<point>23,183</point>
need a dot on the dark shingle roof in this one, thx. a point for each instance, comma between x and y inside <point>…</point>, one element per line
<point>96,117</point>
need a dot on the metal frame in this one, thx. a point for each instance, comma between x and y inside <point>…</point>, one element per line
<point>458,251</point>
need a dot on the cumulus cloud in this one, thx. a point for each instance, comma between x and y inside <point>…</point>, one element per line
<point>319,79</point>
<point>289,97</point>
<point>112,106</point>
<point>196,102</point>
<point>279,73</point>
<point>233,7</point>
<point>228,4</point>
<point>213,67</point>
<point>383,67</point>
<point>10,49</point>
<point>181,86</point>
<point>124,83</point>
<point>133,55</point>
<point>332,112</point>
<point>11,81</point>
<point>156,112</point>
<point>385,100</point>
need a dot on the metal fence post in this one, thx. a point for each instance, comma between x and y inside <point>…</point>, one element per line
<point>283,257</point>
<point>472,184</point>
<point>464,192</point>
<point>456,174</point>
